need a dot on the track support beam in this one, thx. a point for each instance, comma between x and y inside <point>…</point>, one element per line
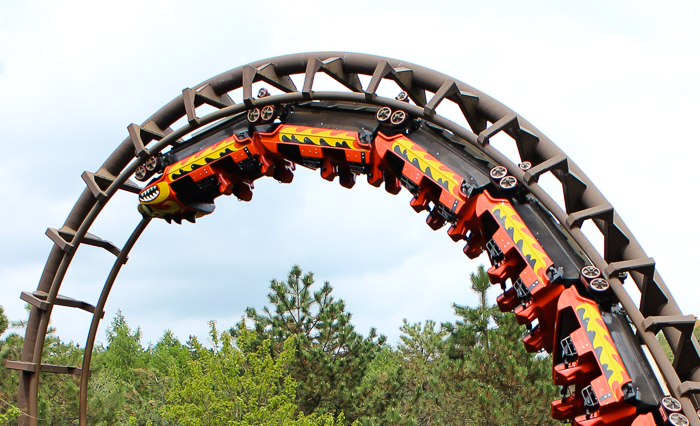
<point>604,212</point>
<point>30,367</point>
<point>64,236</point>
<point>558,162</point>
<point>38,299</point>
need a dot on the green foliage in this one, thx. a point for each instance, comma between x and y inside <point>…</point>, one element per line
<point>331,358</point>
<point>301,363</point>
<point>406,378</point>
<point>124,351</point>
<point>491,378</point>
<point>129,382</point>
<point>471,372</point>
<point>8,410</point>
<point>664,345</point>
<point>382,391</point>
<point>10,415</point>
<point>237,384</point>
<point>3,321</point>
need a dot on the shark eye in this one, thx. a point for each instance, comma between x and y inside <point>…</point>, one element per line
<point>149,194</point>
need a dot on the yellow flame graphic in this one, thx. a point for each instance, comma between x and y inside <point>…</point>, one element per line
<point>318,136</point>
<point>609,358</point>
<point>200,158</point>
<point>426,163</point>
<point>522,238</point>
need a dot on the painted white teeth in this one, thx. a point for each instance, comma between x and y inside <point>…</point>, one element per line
<point>149,194</point>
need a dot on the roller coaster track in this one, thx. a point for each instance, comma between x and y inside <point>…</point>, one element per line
<point>607,358</point>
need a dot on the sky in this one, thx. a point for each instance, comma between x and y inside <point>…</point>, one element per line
<point>614,85</point>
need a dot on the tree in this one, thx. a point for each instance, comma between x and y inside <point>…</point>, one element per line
<point>238,384</point>
<point>3,321</point>
<point>124,351</point>
<point>490,379</point>
<point>382,392</point>
<point>8,410</point>
<point>471,372</point>
<point>331,358</point>
<point>129,382</point>
<point>403,381</point>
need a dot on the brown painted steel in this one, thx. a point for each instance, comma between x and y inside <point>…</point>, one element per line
<point>99,313</point>
<point>581,196</point>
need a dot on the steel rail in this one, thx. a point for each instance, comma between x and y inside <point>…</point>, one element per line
<point>99,309</point>
<point>540,150</point>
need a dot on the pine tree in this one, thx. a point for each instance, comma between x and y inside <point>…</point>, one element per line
<point>331,358</point>
<point>422,349</point>
<point>490,379</point>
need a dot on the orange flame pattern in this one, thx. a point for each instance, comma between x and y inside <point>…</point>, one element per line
<point>523,238</point>
<point>214,152</point>
<point>429,165</point>
<point>319,136</point>
<point>603,344</point>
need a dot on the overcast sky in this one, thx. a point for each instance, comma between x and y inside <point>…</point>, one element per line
<point>616,86</point>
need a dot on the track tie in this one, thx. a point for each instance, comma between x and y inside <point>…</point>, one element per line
<point>208,95</point>
<point>508,122</point>
<point>449,87</point>
<point>34,301</point>
<point>689,388</point>
<point>525,140</point>
<point>402,76</point>
<point>140,150</point>
<point>466,101</point>
<point>30,367</point>
<point>151,131</point>
<point>90,239</point>
<point>685,357</point>
<point>38,299</point>
<point>188,100</point>
<point>64,236</point>
<point>267,74</point>
<point>382,70</point>
<point>683,323</point>
<point>59,241</point>
<point>334,68</point>
<point>100,181</point>
<point>142,135</point>
<point>604,212</point>
<point>313,65</point>
<point>645,267</point>
<point>558,162</point>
